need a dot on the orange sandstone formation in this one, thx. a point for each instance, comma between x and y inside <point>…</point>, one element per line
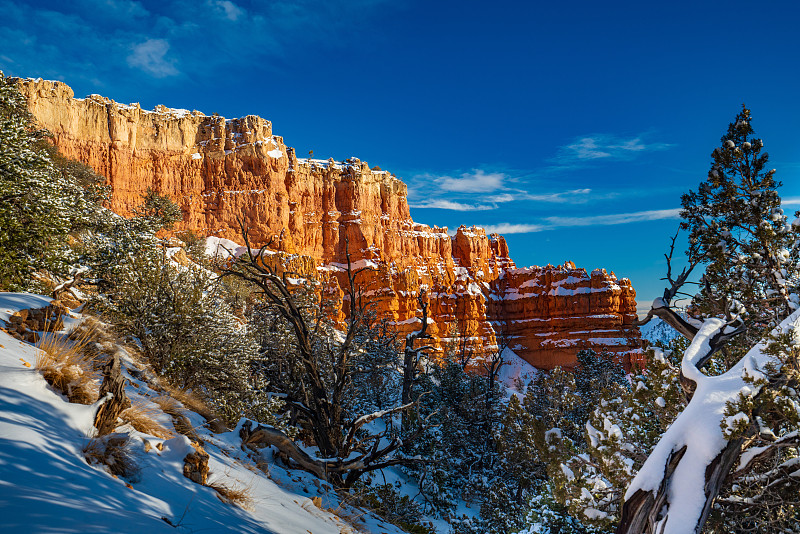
<point>219,170</point>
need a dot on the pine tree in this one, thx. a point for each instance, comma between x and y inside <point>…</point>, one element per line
<point>735,361</point>
<point>738,229</point>
<point>42,198</point>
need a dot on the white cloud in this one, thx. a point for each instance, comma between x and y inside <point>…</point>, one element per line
<point>572,196</point>
<point>509,228</point>
<point>617,218</point>
<point>150,57</point>
<point>605,146</point>
<point>121,8</point>
<point>481,181</point>
<point>443,204</point>
<point>227,8</point>
<point>477,181</point>
<point>593,220</point>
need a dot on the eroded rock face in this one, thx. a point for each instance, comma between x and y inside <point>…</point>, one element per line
<point>316,211</point>
<point>553,312</point>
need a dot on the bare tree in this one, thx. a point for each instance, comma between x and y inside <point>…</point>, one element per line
<point>321,377</point>
<point>412,356</point>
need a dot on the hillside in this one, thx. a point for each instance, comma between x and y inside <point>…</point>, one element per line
<point>45,441</point>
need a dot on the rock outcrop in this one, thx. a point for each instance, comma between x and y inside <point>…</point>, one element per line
<point>221,170</point>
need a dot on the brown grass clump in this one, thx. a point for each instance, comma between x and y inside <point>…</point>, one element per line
<point>197,405</point>
<point>97,340</point>
<point>67,367</point>
<point>238,496</point>
<point>115,452</point>
<point>177,411</point>
<point>142,417</point>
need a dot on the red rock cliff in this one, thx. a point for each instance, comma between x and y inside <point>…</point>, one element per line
<point>218,170</point>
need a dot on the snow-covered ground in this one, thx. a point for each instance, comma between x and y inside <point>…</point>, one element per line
<point>515,370</point>
<point>658,330</point>
<point>46,485</point>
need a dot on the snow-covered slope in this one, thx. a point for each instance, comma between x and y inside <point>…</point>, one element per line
<point>658,330</point>
<point>46,485</point>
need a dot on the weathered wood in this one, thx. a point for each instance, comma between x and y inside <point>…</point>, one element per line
<point>105,420</point>
<point>640,512</point>
<point>265,436</point>
<point>340,472</point>
<point>716,473</point>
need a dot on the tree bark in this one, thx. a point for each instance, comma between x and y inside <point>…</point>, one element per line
<point>105,420</point>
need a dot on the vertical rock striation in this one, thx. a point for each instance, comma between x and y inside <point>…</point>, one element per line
<point>219,170</point>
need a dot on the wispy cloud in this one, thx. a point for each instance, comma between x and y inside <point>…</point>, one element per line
<point>228,9</point>
<point>456,191</point>
<point>550,223</point>
<point>444,204</point>
<point>509,228</point>
<point>476,181</point>
<point>605,147</point>
<point>617,218</point>
<point>120,8</point>
<point>150,56</point>
<point>505,187</point>
<point>572,196</point>
<point>490,202</point>
<point>169,41</point>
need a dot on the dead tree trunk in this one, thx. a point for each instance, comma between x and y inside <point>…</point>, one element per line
<point>707,458</point>
<point>105,420</point>
<point>653,500</point>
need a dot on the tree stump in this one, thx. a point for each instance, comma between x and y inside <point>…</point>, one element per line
<point>105,420</point>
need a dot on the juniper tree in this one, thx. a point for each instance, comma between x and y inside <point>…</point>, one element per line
<point>621,426</point>
<point>739,232</point>
<point>156,211</point>
<point>41,201</point>
<point>737,436</point>
<point>312,367</point>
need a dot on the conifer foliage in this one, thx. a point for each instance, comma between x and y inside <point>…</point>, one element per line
<point>739,231</point>
<point>742,360</point>
<point>42,199</point>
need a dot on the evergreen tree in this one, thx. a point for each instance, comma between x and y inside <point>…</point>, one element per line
<point>179,316</point>
<point>461,445</point>
<point>738,229</point>
<point>41,201</point>
<point>157,211</point>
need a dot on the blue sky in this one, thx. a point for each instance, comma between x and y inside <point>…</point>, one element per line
<point>570,127</point>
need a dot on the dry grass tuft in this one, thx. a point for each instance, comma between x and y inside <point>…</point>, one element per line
<point>115,452</point>
<point>197,405</point>
<point>178,412</point>
<point>97,339</point>
<point>142,416</point>
<point>239,496</point>
<point>67,366</point>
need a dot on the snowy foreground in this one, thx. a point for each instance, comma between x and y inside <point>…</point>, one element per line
<point>46,485</point>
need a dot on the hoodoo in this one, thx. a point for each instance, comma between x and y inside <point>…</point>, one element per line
<point>218,170</point>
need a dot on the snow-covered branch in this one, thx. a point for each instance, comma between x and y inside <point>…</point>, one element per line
<point>688,490</point>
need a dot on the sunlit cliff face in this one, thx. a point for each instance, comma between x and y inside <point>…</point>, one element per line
<point>220,171</point>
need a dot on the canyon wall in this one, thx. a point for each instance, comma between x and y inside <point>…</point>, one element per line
<point>220,170</point>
